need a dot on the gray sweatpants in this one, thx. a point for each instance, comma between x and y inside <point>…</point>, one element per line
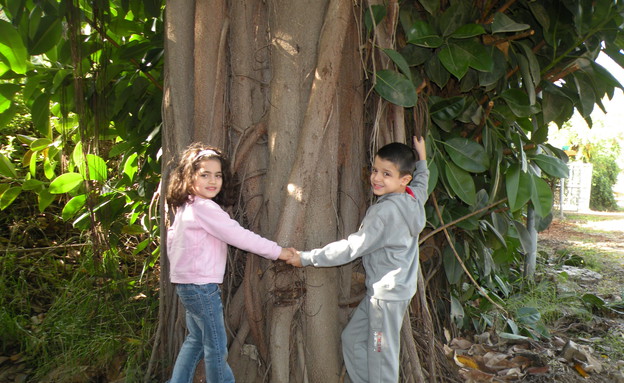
<point>371,341</point>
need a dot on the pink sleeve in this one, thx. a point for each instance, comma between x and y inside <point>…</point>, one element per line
<point>219,224</point>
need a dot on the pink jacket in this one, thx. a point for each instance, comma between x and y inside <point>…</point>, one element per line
<point>197,242</point>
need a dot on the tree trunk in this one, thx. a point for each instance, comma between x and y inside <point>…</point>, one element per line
<point>286,101</point>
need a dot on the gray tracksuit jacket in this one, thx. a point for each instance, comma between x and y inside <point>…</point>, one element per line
<point>387,241</point>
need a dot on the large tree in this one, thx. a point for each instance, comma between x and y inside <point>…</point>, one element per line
<point>299,95</point>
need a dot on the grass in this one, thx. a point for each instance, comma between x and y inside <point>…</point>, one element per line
<point>72,321</point>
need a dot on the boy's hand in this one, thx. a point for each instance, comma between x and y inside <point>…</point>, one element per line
<point>287,253</point>
<point>420,147</point>
<point>295,260</point>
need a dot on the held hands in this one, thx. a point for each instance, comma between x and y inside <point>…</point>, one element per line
<point>291,256</point>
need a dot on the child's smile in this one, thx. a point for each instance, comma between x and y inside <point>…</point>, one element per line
<point>208,179</point>
<point>385,178</point>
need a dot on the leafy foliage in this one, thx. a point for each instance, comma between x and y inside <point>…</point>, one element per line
<point>89,78</point>
<point>491,89</point>
<point>604,177</point>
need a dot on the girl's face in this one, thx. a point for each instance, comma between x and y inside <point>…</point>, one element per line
<point>208,179</point>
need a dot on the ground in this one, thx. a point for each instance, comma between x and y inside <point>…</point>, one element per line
<point>581,263</point>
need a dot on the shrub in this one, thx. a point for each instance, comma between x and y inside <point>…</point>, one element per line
<point>604,177</point>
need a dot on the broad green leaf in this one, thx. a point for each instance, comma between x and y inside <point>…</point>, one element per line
<point>523,235</point>
<point>9,196</point>
<point>503,23</point>
<point>432,6</point>
<point>552,166</point>
<point>455,59</point>
<point>73,206</point>
<point>12,48</point>
<point>533,63</point>
<point>447,109</point>
<point>396,88</point>
<point>400,62</point>
<point>379,12</point>
<point>96,169</point>
<point>518,184</point>
<point>518,102</point>
<point>48,168</point>
<point>422,34</point>
<point>528,315</point>
<point>585,90</point>
<point>496,233</point>
<point>6,167</point>
<point>452,267</point>
<point>480,58</point>
<point>499,65</point>
<point>45,199</point>
<point>541,196</point>
<point>467,154</point>
<point>32,184</point>
<point>41,114</point>
<point>130,166</point>
<point>461,183</point>
<point>40,144</point>
<point>467,31</point>
<point>556,106</point>
<point>7,91</point>
<point>47,35</point>
<point>78,155</point>
<point>436,71</point>
<point>527,82</point>
<point>65,183</point>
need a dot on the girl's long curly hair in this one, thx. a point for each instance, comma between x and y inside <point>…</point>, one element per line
<point>180,189</point>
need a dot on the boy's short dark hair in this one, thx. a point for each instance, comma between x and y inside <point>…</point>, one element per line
<point>401,155</point>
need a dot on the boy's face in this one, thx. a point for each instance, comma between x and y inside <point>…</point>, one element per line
<point>385,178</point>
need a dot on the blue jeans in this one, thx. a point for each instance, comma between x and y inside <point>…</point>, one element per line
<point>206,335</point>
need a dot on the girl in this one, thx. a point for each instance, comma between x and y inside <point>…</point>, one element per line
<point>197,251</point>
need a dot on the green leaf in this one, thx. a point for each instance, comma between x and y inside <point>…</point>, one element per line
<point>65,183</point>
<point>6,167</point>
<point>467,31</point>
<point>457,310</point>
<point>32,184</point>
<point>7,91</point>
<point>528,315</point>
<point>422,34</point>
<point>9,196</point>
<point>73,206</point>
<point>40,144</point>
<point>447,109</point>
<point>503,23</point>
<point>434,173</point>
<point>467,154</point>
<point>396,88</point>
<point>400,62</point>
<point>431,6</point>
<point>552,166</point>
<point>96,168</point>
<point>41,114</point>
<point>45,199</point>
<point>461,183</point>
<point>519,187</point>
<point>541,196</point>
<point>518,102</point>
<point>130,166</point>
<point>379,12</point>
<point>436,71</point>
<point>523,235</point>
<point>47,35</point>
<point>455,59</point>
<point>12,48</point>
<point>452,267</point>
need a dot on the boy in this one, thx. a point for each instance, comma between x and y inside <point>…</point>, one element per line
<point>387,241</point>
